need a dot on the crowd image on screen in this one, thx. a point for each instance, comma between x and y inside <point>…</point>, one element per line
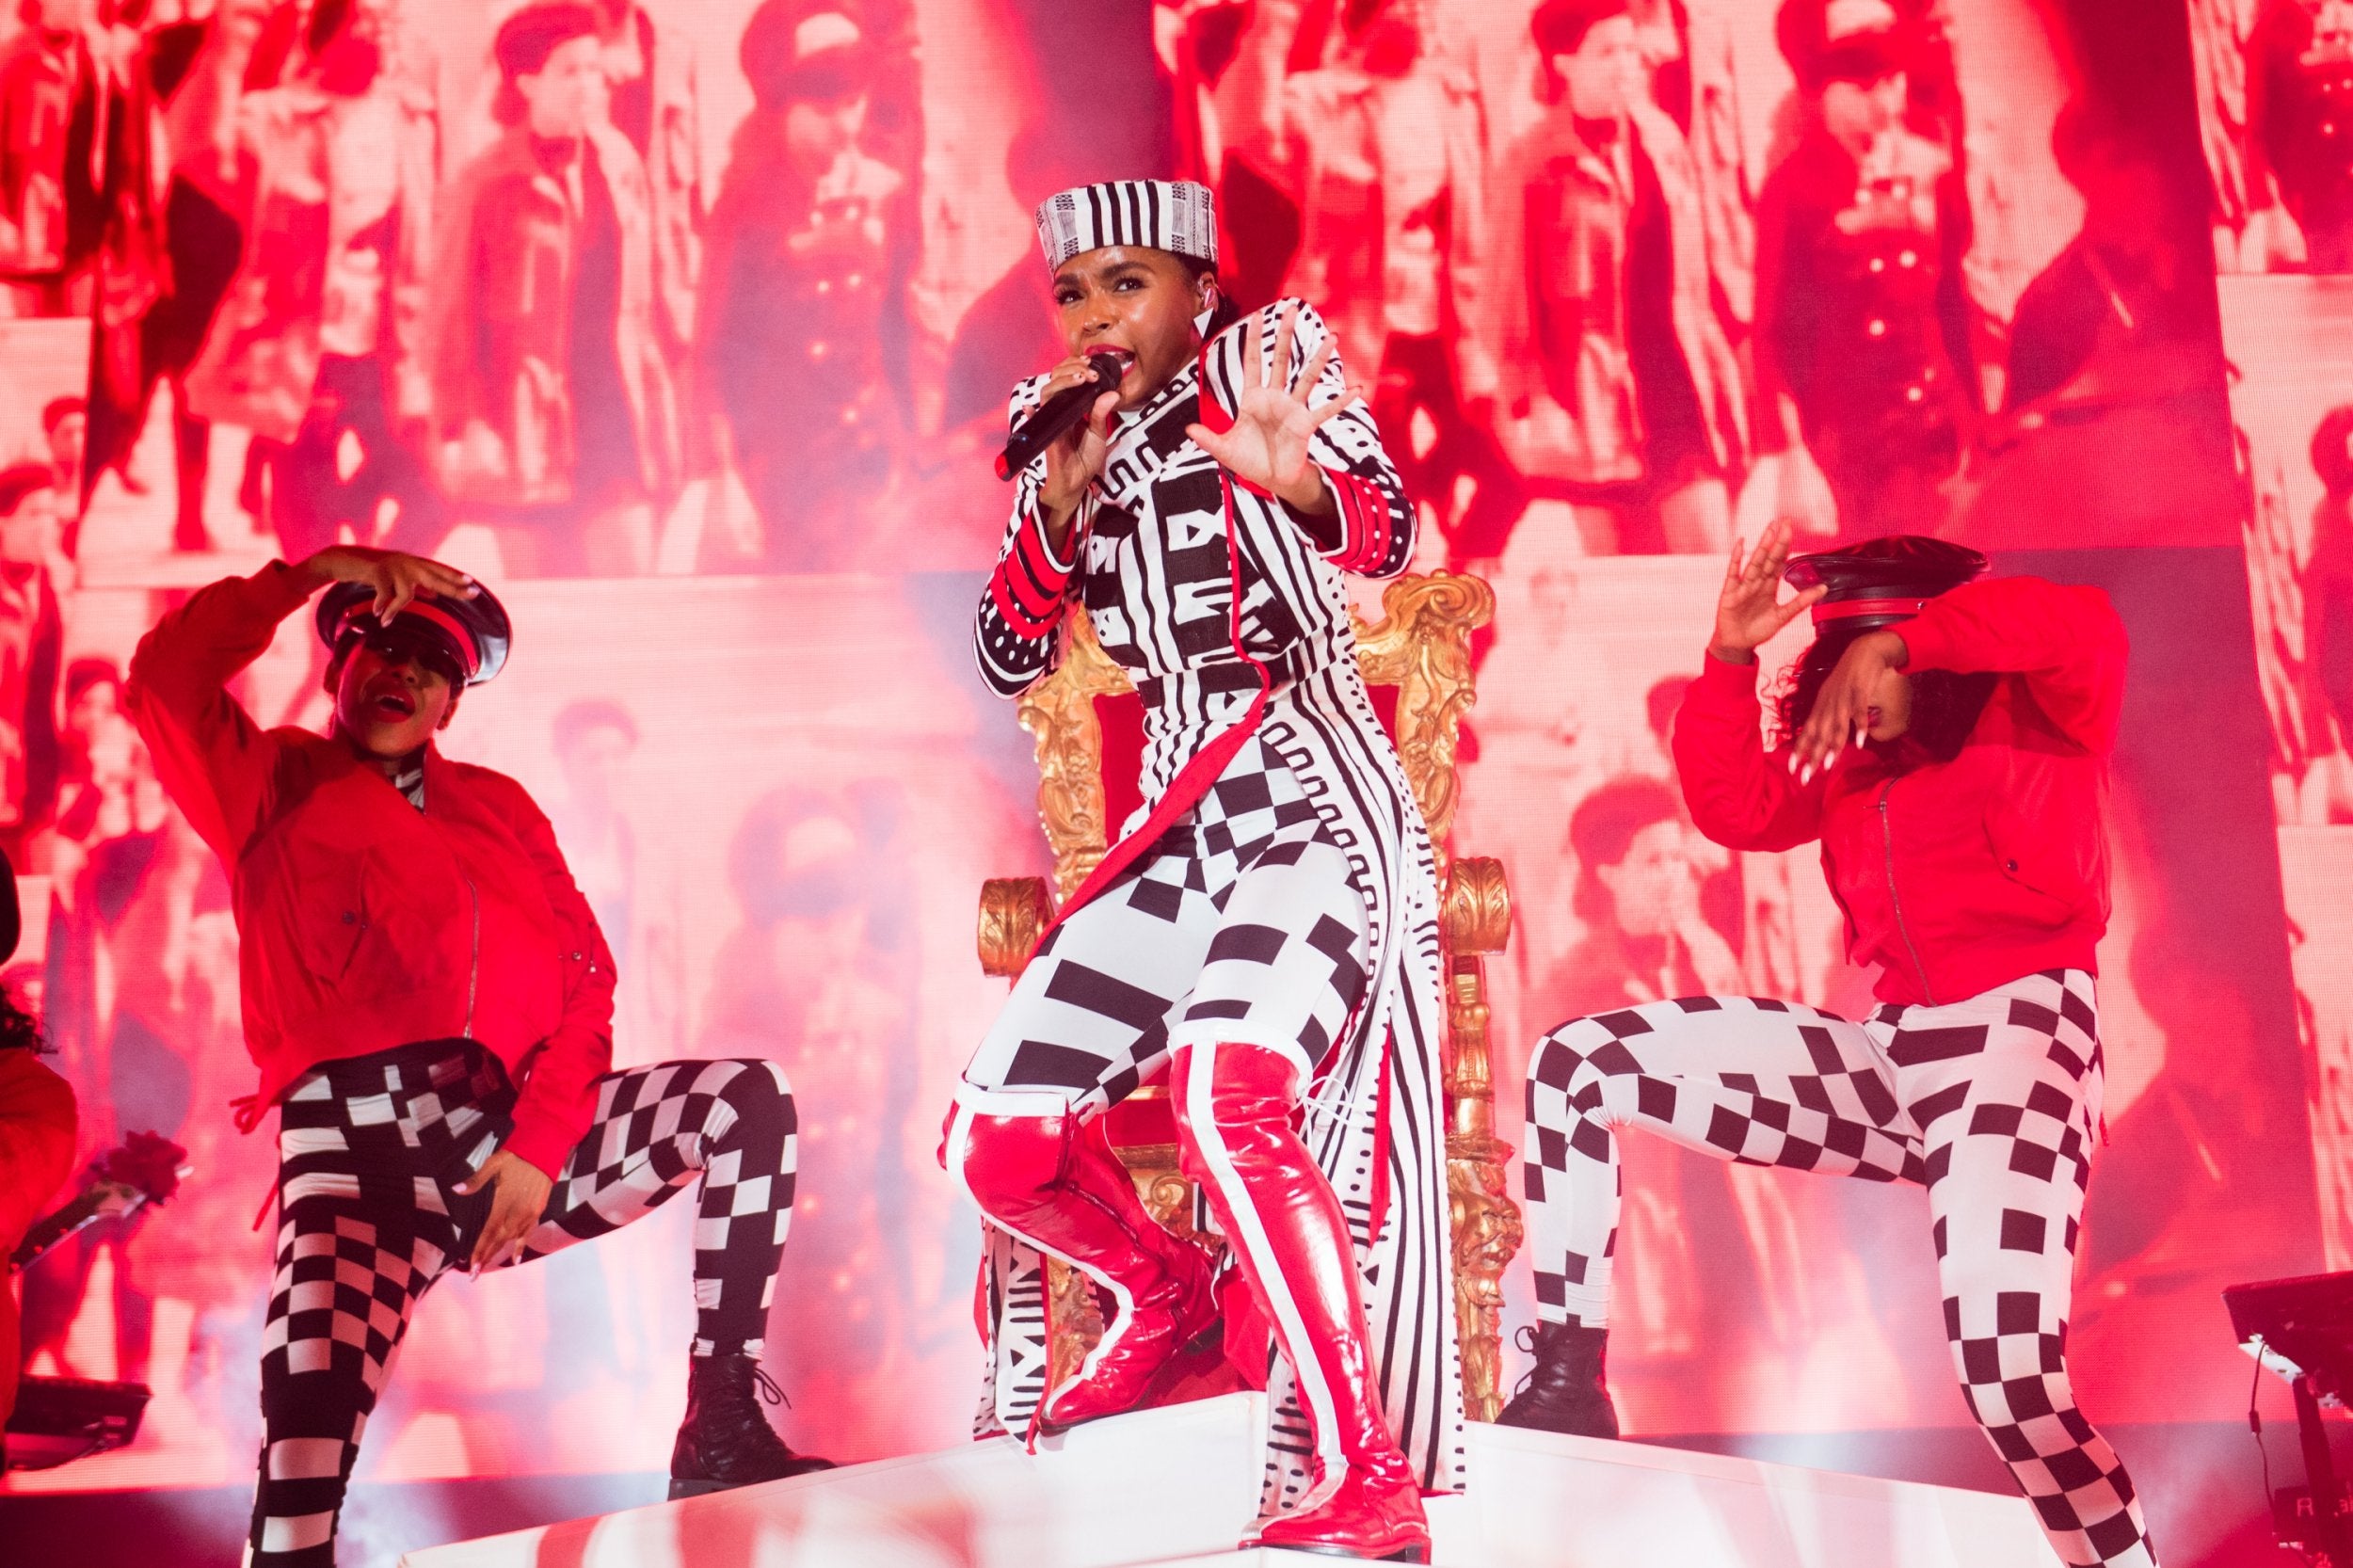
<point>1614,282</point>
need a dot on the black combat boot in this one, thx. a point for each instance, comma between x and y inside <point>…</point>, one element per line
<point>726,1440</point>
<point>1565,1391</point>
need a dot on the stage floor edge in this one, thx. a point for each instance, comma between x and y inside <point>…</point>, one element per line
<point>1176,1488</point>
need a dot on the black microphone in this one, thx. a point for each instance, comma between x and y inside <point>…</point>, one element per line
<point>1061,411</point>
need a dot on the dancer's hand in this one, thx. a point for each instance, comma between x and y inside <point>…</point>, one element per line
<point>1267,444</point>
<point>1844,710</point>
<point>519,1195</point>
<point>396,578</point>
<point>1750,609</point>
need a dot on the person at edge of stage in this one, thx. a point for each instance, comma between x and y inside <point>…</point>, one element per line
<point>429,1001</point>
<point>1947,740</point>
<point>1265,925</point>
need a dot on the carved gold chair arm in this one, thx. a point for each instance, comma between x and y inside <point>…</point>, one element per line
<point>1422,647</point>
<point>1014,912</point>
<point>1476,911</point>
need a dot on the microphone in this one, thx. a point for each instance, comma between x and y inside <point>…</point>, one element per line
<point>1061,411</point>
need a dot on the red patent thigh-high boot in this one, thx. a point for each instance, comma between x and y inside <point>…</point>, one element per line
<point>1034,1169</point>
<point>1234,1106</point>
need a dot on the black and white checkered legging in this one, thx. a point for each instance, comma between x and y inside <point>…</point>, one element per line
<point>1243,924</point>
<point>1991,1103</point>
<point>371,1150</point>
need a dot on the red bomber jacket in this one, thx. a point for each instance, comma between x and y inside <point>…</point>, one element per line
<point>1955,877</point>
<point>362,922</point>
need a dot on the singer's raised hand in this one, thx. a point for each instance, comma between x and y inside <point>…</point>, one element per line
<point>1077,456</point>
<point>1267,444</point>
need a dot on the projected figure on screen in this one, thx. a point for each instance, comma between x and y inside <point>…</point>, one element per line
<point>111,830</point>
<point>315,347</point>
<point>1661,911</point>
<point>2124,315</point>
<point>552,395</point>
<point>653,100</point>
<point>2299,109</point>
<point>2328,575</point>
<point>55,509</point>
<point>1601,360</point>
<point>1011,326</point>
<point>52,179</point>
<point>81,220</point>
<point>2110,427</point>
<point>429,1002</point>
<point>802,337</point>
<point>593,739</point>
<point>1641,892</point>
<point>204,70</point>
<point>1381,152</point>
<point>40,70</point>
<point>29,637</point>
<point>1862,342</point>
<point>1264,931</point>
<point>1947,741</point>
<point>98,848</point>
<point>823,975</point>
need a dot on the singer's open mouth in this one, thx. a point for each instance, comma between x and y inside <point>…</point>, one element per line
<point>391,704</point>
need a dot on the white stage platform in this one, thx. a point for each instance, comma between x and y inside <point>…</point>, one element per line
<point>1174,1488</point>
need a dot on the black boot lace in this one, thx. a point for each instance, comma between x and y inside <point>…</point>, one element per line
<point>1525,1342</point>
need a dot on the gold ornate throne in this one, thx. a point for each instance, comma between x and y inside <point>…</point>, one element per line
<point>1420,651</point>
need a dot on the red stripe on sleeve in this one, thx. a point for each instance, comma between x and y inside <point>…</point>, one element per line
<point>1036,598</point>
<point>1000,595</point>
<point>1038,558</point>
<point>1364,523</point>
<point>1028,585</point>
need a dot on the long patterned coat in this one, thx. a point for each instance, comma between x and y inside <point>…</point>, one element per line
<point>1167,540</point>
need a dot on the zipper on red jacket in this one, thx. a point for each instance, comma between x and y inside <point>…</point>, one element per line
<point>474,965</point>
<point>1887,833</point>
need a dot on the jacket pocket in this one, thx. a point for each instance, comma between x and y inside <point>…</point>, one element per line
<point>333,916</point>
<point>2028,869</point>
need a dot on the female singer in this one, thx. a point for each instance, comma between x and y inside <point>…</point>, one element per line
<point>1947,741</point>
<point>1266,926</point>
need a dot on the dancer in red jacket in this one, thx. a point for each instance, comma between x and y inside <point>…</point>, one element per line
<point>431,1004</point>
<point>1947,742</point>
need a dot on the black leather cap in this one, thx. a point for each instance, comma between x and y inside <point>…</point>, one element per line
<point>1891,575</point>
<point>476,630</point>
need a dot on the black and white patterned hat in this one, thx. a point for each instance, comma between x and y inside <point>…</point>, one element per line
<point>1167,215</point>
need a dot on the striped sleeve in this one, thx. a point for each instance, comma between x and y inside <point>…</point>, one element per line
<point>1376,520</point>
<point>1013,635</point>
